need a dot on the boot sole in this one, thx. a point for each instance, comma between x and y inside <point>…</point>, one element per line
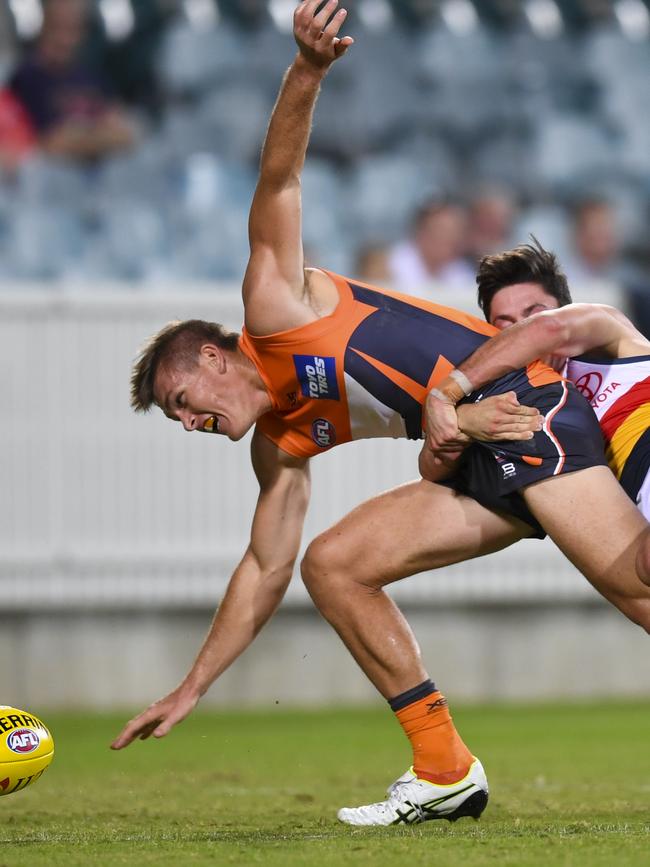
<point>472,807</point>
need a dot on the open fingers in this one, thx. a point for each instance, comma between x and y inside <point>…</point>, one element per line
<point>331,30</point>
<point>140,727</point>
<point>320,20</point>
<point>510,403</point>
<point>147,730</point>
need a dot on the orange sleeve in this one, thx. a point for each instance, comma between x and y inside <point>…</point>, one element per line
<point>541,374</point>
<point>291,442</point>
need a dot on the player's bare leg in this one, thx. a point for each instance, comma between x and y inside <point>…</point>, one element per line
<point>643,558</point>
<point>595,524</point>
<point>410,529</point>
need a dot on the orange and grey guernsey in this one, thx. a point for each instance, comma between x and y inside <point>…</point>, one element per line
<point>364,370</point>
<point>619,393</point>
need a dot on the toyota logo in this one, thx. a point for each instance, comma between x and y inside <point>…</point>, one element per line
<point>589,384</point>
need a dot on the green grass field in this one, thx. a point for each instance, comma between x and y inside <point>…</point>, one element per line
<point>570,785</point>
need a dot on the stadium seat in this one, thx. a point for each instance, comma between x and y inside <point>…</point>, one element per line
<point>570,149</point>
<point>132,241</point>
<point>234,121</point>
<point>44,241</point>
<point>187,60</point>
<point>384,191</point>
<point>548,224</point>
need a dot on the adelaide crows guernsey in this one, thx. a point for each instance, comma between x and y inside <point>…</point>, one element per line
<point>619,393</point>
<point>364,370</point>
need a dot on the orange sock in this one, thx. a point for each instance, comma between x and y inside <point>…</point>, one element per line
<point>439,754</point>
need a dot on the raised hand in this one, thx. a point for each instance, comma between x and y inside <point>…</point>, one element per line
<point>315,29</point>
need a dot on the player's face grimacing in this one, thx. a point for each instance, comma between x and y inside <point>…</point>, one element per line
<point>208,397</point>
<point>519,301</point>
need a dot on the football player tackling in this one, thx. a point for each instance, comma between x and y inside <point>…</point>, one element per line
<point>595,346</point>
<point>322,360</point>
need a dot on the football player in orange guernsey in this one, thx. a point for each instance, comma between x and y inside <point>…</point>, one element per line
<point>322,360</point>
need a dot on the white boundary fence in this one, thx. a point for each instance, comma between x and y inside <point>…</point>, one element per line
<point>101,508</point>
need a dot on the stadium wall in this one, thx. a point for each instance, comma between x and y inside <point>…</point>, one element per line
<point>118,535</point>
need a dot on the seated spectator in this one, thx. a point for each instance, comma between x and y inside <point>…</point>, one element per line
<point>598,257</point>
<point>491,215</point>
<point>70,106</point>
<point>371,265</point>
<point>17,136</point>
<point>596,245</point>
<point>433,256</point>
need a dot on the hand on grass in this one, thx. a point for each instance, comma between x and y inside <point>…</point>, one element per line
<point>159,718</point>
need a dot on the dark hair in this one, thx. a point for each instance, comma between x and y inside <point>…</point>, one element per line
<point>527,263</point>
<point>181,341</point>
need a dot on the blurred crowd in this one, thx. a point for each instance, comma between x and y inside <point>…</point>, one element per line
<point>130,132</point>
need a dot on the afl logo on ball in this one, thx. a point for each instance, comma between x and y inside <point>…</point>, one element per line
<point>323,433</point>
<point>23,741</point>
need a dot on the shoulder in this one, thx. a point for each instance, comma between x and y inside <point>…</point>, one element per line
<point>271,305</point>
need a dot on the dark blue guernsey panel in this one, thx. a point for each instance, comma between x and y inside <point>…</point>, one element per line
<point>396,325</point>
<point>386,391</point>
<point>409,340</point>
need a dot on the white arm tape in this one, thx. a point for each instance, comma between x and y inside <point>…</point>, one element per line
<point>462,380</point>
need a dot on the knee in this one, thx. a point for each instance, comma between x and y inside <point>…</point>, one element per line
<point>334,571</point>
<point>319,568</point>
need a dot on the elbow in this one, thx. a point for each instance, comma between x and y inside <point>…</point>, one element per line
<point>276,581</point>
<point>275,178</point>
<point>551,334</point>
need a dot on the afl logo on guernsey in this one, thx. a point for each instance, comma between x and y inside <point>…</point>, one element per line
<point>23,741</point>
<point>317,376</point>
<point>323,433</point>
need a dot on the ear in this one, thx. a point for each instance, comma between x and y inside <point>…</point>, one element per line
<point>214,355</point>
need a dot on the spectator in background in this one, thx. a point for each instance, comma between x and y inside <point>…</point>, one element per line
<point>17,136</point>
<point>491,215</point>
<point>596,245</point>
<point>433,257</point>
<point>598,258</point>
<point>372,266</point>
<point>70,106</point>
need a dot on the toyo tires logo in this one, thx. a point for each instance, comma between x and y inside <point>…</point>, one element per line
<point>23,741</point>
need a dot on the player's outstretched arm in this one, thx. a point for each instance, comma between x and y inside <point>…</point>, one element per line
<point>275,275</point>
<point>566,332</point>
<point>254,592</point>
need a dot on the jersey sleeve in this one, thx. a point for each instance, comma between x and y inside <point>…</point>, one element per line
<point>291,441</point>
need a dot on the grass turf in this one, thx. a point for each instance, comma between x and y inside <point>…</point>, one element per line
<point>570,785</point>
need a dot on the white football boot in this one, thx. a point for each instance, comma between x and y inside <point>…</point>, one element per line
<point>407,777</point>
<point>412,800</point>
